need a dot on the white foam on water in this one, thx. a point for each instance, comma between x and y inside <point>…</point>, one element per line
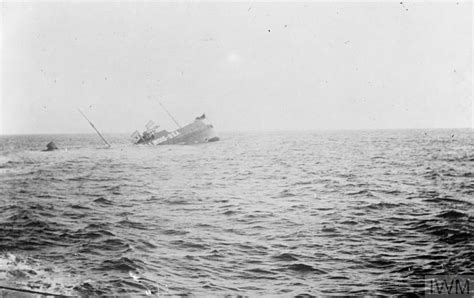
<point>23,272</point>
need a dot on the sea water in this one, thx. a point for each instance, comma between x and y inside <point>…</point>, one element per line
<point>277,213</point>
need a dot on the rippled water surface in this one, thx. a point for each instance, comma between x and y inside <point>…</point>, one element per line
<point>361,212</point>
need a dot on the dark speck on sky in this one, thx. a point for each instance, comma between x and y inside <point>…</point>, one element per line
<point>140,44</point>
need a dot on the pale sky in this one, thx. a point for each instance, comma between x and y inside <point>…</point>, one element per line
<point>247,65</point>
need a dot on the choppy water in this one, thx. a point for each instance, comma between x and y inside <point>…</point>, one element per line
<point>368,212</point>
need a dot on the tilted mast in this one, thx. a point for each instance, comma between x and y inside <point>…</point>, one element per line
<point>103,139</point>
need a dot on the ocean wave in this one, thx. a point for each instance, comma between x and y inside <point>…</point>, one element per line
<point>367,213</point>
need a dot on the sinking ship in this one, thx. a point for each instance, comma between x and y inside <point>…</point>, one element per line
<point>198,131</point>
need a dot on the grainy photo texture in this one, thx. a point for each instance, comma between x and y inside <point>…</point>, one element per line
<point>205,148</point>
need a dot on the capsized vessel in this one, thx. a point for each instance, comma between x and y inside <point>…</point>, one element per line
<point>199,131</point>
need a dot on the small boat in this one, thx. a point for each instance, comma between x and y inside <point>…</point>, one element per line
<point>198,131</point>
<point>51,146</point>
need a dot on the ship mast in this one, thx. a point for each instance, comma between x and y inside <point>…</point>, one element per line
<point>172,118</point>
<point>103,139</point>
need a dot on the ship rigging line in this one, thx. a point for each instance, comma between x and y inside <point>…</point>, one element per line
<point>30,291</point>
<point>176,122</point>
<point>103,139</point>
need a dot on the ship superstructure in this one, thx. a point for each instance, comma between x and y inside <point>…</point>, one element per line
<point>199,131</point>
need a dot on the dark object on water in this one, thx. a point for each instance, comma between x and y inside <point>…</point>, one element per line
<point>214,139</point>
<point>51,146</point>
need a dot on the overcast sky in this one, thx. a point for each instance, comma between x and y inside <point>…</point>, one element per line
<point>248,66</point>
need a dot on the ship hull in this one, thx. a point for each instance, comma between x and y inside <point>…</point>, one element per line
<point>194,133</point>
<point>197,137</point>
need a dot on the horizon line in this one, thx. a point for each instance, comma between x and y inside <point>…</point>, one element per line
<point>255,131</point>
